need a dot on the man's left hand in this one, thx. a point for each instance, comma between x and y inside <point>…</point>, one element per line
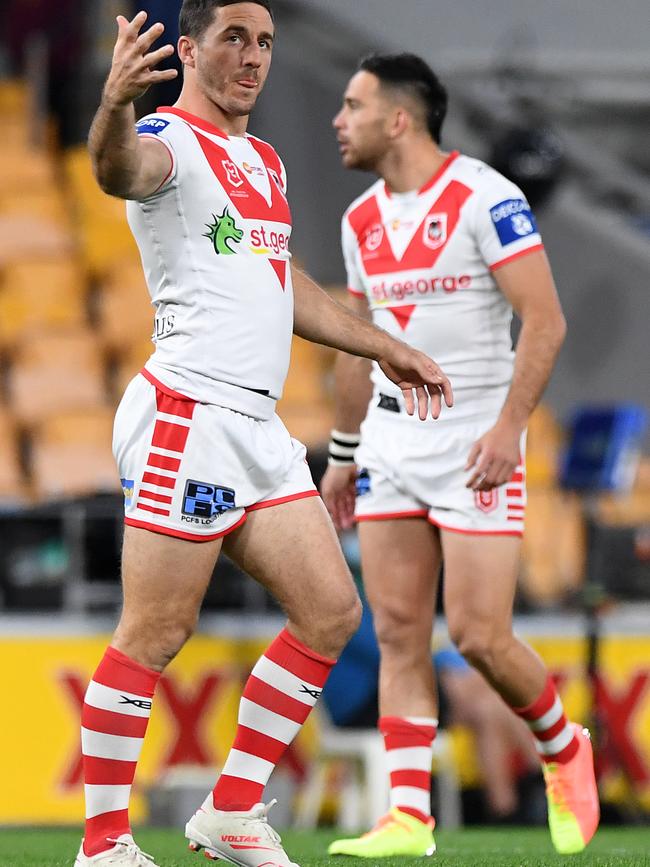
<point>494,457</point>
<point>410,369</point>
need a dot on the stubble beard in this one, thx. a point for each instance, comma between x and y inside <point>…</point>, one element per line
<point>217,89</point>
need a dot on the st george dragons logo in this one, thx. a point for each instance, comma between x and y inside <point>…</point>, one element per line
<point>223,231</point>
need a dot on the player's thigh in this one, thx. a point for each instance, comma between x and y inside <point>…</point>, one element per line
<point>480,581</point>
<point>400,562</point>
<point>164,578</point>
<point>292,550</point>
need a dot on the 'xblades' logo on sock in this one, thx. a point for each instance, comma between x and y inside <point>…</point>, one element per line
<point>142,703</point>
<point>314,693</point>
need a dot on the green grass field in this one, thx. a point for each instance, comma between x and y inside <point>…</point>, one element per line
<point>502,847</point>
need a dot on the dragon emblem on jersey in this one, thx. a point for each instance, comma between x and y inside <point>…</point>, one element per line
<point>374,237</point>
<point>435,231</point>
<point>222,231</point>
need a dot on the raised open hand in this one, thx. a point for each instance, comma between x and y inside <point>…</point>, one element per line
<point>133,69</point>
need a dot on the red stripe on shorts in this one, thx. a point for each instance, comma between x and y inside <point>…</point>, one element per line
<point>163,462</point>
<point>158,481</point>
<point>152,495</point>
<point>147,508</point>
<point>169,436</point>
<point>173,406</point>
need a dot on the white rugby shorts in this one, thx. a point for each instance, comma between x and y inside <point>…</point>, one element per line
<point>411,470</point>
<point>194,470</point>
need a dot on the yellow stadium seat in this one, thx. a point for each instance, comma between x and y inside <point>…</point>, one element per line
<point>40,294</point>
<point>553,552</point>
<point>130,362</point>
<point>71,455</point>
<point>61,277</point>
<point>24,169</point>
<point>124,309</point>
<point>543,446</point>
<point>54,372</point>
<point>308,373</point>
<point>47,204</point>
<point>14,97</point>
<point>631,509</point>
<point>15,106</point>
<point>13,485</point>
<point>105,235</point>
<point>26,237</point>
<point>309,423</point>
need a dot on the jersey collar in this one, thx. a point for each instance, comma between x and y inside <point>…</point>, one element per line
<point>432,180</point>
<point>193,119</point>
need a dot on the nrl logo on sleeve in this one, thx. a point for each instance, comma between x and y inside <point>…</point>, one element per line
<point>223,231</point>
<point>434,231</point>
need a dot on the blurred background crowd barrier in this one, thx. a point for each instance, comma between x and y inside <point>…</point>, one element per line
<point>570,126</point>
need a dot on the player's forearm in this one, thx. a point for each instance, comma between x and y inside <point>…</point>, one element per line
<point>352,390</point>
<point>319,318</point>
<point>537,349</point>
<point>114,149</point>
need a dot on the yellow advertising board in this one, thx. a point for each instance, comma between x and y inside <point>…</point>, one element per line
<point>43,679</point>
<point>192,723</point>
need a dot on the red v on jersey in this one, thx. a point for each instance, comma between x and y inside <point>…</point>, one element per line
<point>251,205</point>
<point>376,251</point>
<point>402,314</point>
<point>280,268</point>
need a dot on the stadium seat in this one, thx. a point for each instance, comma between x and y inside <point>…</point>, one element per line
<point>129,363</point>
<point>28,237</point>
<point>25,169</point>
<point>631,509</point>
<point>37,295</point>
<point>305,407</point>
<point>105,234</point>
<point>47,204</point>
<point>124,309</point>
<point>363,798</point>
<point>310,423</point>
<point>54,372</point>
<point>71,455</point>
<point>543,446</point>
<point>553,551</point>
<point>13,486</point>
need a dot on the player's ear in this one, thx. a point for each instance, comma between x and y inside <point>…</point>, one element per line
<point>187,51</point>
<point>399,122</point>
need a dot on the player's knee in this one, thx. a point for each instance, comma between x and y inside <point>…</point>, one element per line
<point>153,642</point>
<point>479,647</point>
<point>396,628</point>
<point>344,622</point>
<point>334,627</point>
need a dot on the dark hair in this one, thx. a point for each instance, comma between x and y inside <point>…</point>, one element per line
<point>409,73</point>
<point>196,15</point>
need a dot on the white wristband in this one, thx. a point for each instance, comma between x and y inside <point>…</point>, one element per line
<point>342,447</point>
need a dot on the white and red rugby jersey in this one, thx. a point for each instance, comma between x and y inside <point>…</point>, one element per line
<point>424,261</point>
<point>214,242</point>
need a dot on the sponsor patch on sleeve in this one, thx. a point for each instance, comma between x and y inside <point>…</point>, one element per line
<point>151,126</point>
<point>513,220</point>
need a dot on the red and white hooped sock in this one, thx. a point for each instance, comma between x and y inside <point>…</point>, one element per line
<point>408,742</point>
<point>284,685</point>
<point>114,719</point>
<point>555,738</point>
